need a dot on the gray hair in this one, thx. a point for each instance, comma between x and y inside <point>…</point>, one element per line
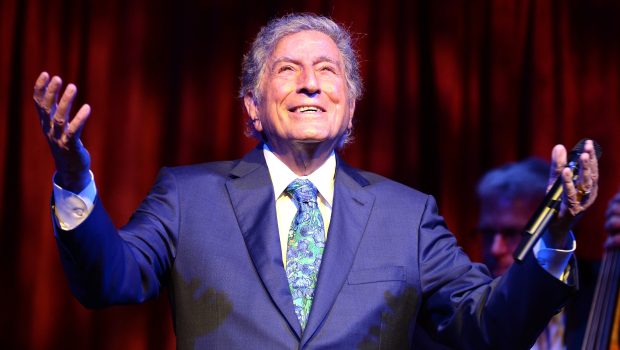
<point>526,179</point>
<point>255,60</point>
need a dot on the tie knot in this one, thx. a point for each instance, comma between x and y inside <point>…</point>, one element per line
<point>302,190</point>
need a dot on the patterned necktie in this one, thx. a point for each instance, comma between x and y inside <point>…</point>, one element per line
<point>306,242</point>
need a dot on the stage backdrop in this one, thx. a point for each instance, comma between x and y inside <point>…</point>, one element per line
<point>453,88</point>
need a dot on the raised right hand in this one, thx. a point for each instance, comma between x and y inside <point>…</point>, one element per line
<point>63,136</point>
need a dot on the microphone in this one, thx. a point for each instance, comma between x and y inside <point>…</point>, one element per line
<point>550,205</point>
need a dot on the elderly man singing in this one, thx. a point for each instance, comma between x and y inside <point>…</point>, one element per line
<point>289,247</point>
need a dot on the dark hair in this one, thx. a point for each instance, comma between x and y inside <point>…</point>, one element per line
<point>525,179</point>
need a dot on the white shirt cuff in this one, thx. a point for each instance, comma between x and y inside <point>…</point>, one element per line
<point>72,209</point>
<point>554,261</point>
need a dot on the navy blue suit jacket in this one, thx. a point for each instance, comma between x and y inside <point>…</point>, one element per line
<point>209,234</point>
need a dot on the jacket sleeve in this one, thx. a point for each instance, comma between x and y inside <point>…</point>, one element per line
<point>465,309</point>
<point>106,265</point>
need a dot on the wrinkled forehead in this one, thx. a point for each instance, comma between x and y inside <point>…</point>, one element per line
<point>306,43</point>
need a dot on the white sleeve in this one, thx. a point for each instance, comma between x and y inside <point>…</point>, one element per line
<point>554,261</point>
<point>72,209</point>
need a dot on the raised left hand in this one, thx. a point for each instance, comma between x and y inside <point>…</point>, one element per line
<point>578,195</point>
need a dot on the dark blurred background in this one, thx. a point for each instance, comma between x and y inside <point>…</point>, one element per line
<point>453,88</point>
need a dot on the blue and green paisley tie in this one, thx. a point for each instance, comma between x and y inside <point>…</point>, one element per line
<point>306,242</point>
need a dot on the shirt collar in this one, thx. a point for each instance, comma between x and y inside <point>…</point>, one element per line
<point>282,176</point>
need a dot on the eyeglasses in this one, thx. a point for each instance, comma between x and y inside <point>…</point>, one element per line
<point>506,232</point>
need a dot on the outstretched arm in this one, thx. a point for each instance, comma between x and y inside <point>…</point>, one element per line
<point>104,265</point>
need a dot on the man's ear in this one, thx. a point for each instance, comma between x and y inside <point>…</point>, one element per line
<point>351,113</point>
<point>251,107</point>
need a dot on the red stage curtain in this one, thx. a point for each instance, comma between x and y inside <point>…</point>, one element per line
<point>453,88</point>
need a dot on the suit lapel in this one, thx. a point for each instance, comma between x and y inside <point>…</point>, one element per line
<point>252,197</point>
<point>351,209</point>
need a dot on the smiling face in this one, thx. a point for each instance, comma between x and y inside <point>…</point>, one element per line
<point>304,99</point>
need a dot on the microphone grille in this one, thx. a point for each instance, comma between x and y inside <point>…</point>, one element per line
<point>578,149</point>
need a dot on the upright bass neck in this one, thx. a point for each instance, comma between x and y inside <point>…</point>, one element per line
<point>602,329</point>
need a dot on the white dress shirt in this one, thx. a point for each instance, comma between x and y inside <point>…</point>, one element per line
<point>286,207</point>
